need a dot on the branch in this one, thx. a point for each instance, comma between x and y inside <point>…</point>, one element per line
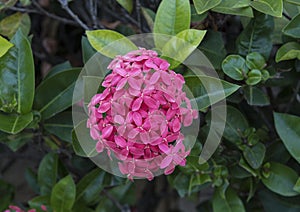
<point>51,15</point>
<point>122,208</point>
<point>138,12</point>
<point>65,6</point>
<point>24,10</point>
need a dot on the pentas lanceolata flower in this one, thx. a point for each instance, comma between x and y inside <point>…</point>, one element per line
<point>139,115</point>
<point>13,208</point>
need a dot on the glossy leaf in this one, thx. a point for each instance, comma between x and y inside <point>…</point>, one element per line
<point>288,129</point>
<point>38,201</point>
<point>297,186</point>
<point>58,68</point>
<point>81,136</point>
<point>240,7</point>
<point>231,202</point>
<point>110,43</point>
<point>14,123</point>
<point>254,77</point>
<point>149,16</point>
<point>209,90</point>
<point>255,96</point>
<point>87,50</point>
<point>281,179</point>
<point>89,187</point>
<point>293,27</point>
<point>270,7</point>
<point>179,47</point>
<point>172,17</point>
<point>127,4</point>
<point>255,60</point>
<point>256,37</point>
<point>297,2</point>
<point>255,155</point>
<point>10,25</point>
<point>235,67</point>
<point>17,76</point>
<point>4,46</point>
<point>213,47</point>
<point>204,5</point>
<point>55,93</point>
<point>7,3</point>
<point>63,195</point>
<point>47,173</point>
<point>6,194</point>
<point>288,51</point>
<point>15,142</point>
<point>61,125</point>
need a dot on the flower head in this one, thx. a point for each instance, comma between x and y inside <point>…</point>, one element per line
<point>140,113</point>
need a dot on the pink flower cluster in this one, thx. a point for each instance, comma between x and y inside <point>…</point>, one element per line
<point>139,115</point>
<point>17,209</point>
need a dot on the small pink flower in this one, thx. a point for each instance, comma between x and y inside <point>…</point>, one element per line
<point>139,115</point>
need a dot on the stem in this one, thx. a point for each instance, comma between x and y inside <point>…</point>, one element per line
<point>65,6</point>
<point>138,12</point>
<point>286,16</point>
<point>115,201</point>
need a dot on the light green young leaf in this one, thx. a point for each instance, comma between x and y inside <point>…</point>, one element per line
<point>270,7</point>
<point>255,60</point>
<point>204,5</point>
<point>281,179</point>
<point>5,45</point>
<point>293,27</point>
<point>240,7</point>
<point>254,77</point>
<point>63,195</point>
<point>127,4</point>
<point>288,51</point>
<point>14,123</point>
<point>110,43</point>
<point>178,48</point>
<point>11,24</point>
<point>288,129</point>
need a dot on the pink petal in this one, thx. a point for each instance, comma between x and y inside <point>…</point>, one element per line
<point>177,159</point>
<point>169,169</point>
<point>166,161</point>
<point>137,118</point>
<point>166,78</point>
<point>169,98</point>
<point>170,114</point>
<point>99,146</point>
<point>137,104</point>
<point>155,77</point>
<point>133,133</point>
<point>121,84</point>
<point>176,125</point>
<point>121,71</point>
<point>119,119</point>
<point>187,120</point>
<point>150,102</point>
<point>123,168</point>
<point>164,148</point>
<point>106,132</point>
<point>43,207</point>
<point>94,133</point>
<point>120,141</point>
<point>104,107</point>
<point>164,65</point>
<point>145,137</point>
<point>135,83</point>
<point>136,151</point>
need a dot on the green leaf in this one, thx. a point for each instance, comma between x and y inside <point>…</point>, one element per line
<point>235,67</point>
<point>240,7</point>
<point>11,24</point>
<point>255,155</point>
<point>270,7</point>
<point>236,124</point>
<point>87,49</point>
<point>231,202</point>
<point>55,93</point>
<point>281,179</point>
<point>14,123</point>
<point>25,2</point>
<point>293,27</point>
<point>172,17</point>
<point>17,77</point>
<point>179,47</point>
<point>61,125</point>
<point>7,3</point>
<point>4,46</point>
<point>6,195</point>
<point>254,77</point>
<point>256,37</point>
<point>209,90</point>
<point>89,187</point>
<point>288,129</point>
<point>15,142</point>
<point>213,47</point>
<point>47,173</point>
<point>297,186</point>
<point>110,43</point>
<point>195,17</point>
<point>288,51</point>
<point>149,16</point>
<point>297,2</point>
<point>127,4</point>
<point>255,96</point>
<point>38,201</point>
<point>63,195</point>
<point>58,68</point>
<point>204,5</point>
<point>255,60</point>
<point>81,136</point>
